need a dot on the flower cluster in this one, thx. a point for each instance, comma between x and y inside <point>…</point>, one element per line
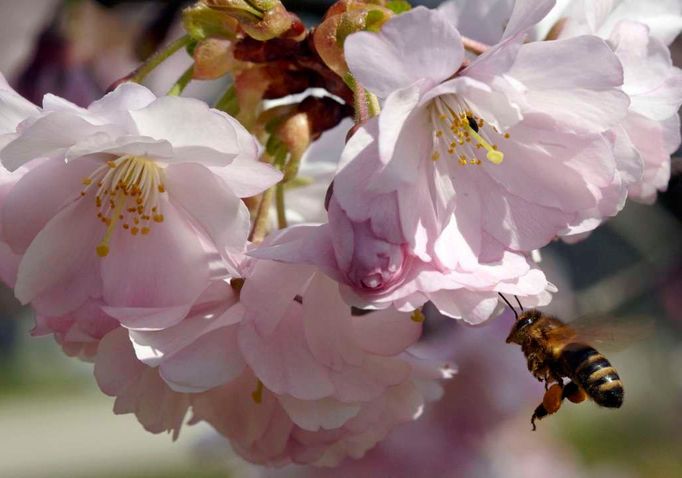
<point>151,233</point>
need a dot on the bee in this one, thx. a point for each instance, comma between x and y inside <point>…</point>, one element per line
<point>555,351</point>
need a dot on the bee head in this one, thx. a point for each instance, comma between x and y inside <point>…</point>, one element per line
<point>523,324</point>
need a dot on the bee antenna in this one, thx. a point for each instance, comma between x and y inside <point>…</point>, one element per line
<point>518,302</point>
<point>510,306</point>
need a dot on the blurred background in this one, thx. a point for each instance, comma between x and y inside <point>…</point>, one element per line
<point>55,423</point>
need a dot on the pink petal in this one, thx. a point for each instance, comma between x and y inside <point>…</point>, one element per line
<point>152,347</point>
<point>329,335</point>
<point>282,360</point>
<point>13,108</point>
<point>210,203</point>
<point>148,318</point>
<point>418,44</point>
<point>187,123</point>
<point>525,14</point>
<point>165,268</point>
<point>270,290</point>
<point>326,414</point>
<point>211,360</point>
<point>50,134</point>
<point>472,307</point>
<point>385,332</point>
<point>247,177</point>
<point>38,196</point>
<point>59,266</point>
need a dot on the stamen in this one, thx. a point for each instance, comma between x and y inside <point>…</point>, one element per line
<point>418,316</point>
<point>493,155</point>
<point>129,190</point>
<point>257,395</point>
<point>459,132</point>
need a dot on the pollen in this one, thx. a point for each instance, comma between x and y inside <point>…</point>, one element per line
<point>461,133</point>
<point>257,394</point>
<point>417,316</point>
<point>128,192</point>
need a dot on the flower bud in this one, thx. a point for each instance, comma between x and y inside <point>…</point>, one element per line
<point>274,23</point>
<point>202,22</point>
<point>342,19</point>
<point>260,19</point>
<point>212,59</point>
<point>371,263</point>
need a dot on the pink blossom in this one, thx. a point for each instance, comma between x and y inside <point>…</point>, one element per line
<point>601,17</point>
<point>301,339</point>
<point>198,352</point>
<point>380,263</point>
<point>135,200</point>
<point>311,387</point>
<point>638,32</point>
<point>78,332</point>
<point>276,430</point>
<point>138,388</point>
<point>14,109</point>
<point>508,148</point>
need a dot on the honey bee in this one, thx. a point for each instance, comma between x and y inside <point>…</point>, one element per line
<point>554,351</point>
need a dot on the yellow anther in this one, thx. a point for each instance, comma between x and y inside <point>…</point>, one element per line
<point>435,156</point>
<point>257,395</point>
<point>103,250</point>
<point>87,181</point>
<point>418,316</point>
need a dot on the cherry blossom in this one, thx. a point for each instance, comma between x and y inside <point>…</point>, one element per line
<point>276,430</point>
<point>122,187</point>
<point>379,263</point>
<point>510,145</point>
<point>638,33</point>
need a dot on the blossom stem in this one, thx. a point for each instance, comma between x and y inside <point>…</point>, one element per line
<point>474,46</point>
<point>159,57</point>
<point>180,85</point>
<point>260,224</point>
<point>228,102</point>
<point>360,103</point>
<point>281,209</point>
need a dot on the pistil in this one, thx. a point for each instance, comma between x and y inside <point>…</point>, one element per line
<point>460,132</point>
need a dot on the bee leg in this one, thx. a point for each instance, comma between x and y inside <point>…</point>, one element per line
<point>574,393</point>
<point>538,414</point>
<point>551,403</point>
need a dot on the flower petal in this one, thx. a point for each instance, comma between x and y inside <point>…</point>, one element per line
<point>415,45</point>
<point>165,268</point>
<point>38,196</point>
<point>60,265</point>
<point>210,361</point>
<point>210,203</point>
<point>187,123</point>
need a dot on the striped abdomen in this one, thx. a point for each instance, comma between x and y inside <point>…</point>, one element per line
<point>593,372</point>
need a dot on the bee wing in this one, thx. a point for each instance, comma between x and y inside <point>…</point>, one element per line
<point>608,332</point>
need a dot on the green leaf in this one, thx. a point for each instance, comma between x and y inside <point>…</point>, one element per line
<point>398,6</point>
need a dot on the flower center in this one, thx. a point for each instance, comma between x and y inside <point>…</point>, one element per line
<point>128,192</point>
<point>461,133</point>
